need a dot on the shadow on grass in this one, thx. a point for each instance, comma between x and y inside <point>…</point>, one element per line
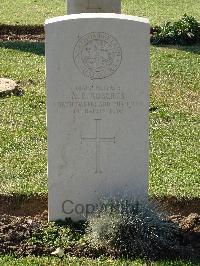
<point>21,29</point>
<point>23,205</point>
<point>37,48</point>
<point>190,49</point>
<point>195,49</point>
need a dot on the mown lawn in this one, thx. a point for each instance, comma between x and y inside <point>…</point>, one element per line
<point>70,261</point>
<point>174,121</point>
<point>31,12</point>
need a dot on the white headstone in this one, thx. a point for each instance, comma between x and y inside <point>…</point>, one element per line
<point>97,111</point>
<point>93,6</point>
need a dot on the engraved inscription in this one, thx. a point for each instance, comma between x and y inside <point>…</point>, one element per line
<point>96,99</point>
<point>98,140</point>
<point>97,55</point>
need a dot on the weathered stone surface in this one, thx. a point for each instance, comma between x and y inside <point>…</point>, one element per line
<point>97,111</point>
<point>93,6</point>
<point>8,86</point>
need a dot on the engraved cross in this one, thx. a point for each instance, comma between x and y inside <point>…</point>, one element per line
<point>98,140</point>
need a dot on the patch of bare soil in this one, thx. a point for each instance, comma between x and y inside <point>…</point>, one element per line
<point>23,37</point>
<point>21,217</point>
<point>17,205</point>
<point>21,32</point>
<point>189,234</point>
<point>16,231</point>
<point>182,206</point>
<point>22,206</point>
<point>21,29</point>
<point>25,32</point>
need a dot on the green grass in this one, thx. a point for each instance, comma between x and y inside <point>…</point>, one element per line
<point>30,12</point>
<point>174,125</point>
<point>158,11</point>
<point>36,11</point>
<point>22,121</point>
<point>71,261</point>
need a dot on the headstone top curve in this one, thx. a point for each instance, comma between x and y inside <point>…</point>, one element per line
<point>96,16</point>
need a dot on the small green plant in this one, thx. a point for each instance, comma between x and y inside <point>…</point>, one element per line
<point>182,32</point>
<point>55,235</point>
<point>132,229</point>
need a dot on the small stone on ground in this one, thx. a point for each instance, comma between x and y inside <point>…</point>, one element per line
<point>9,86</point>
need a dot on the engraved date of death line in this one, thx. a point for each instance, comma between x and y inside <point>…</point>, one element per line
<point>98,140</point>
